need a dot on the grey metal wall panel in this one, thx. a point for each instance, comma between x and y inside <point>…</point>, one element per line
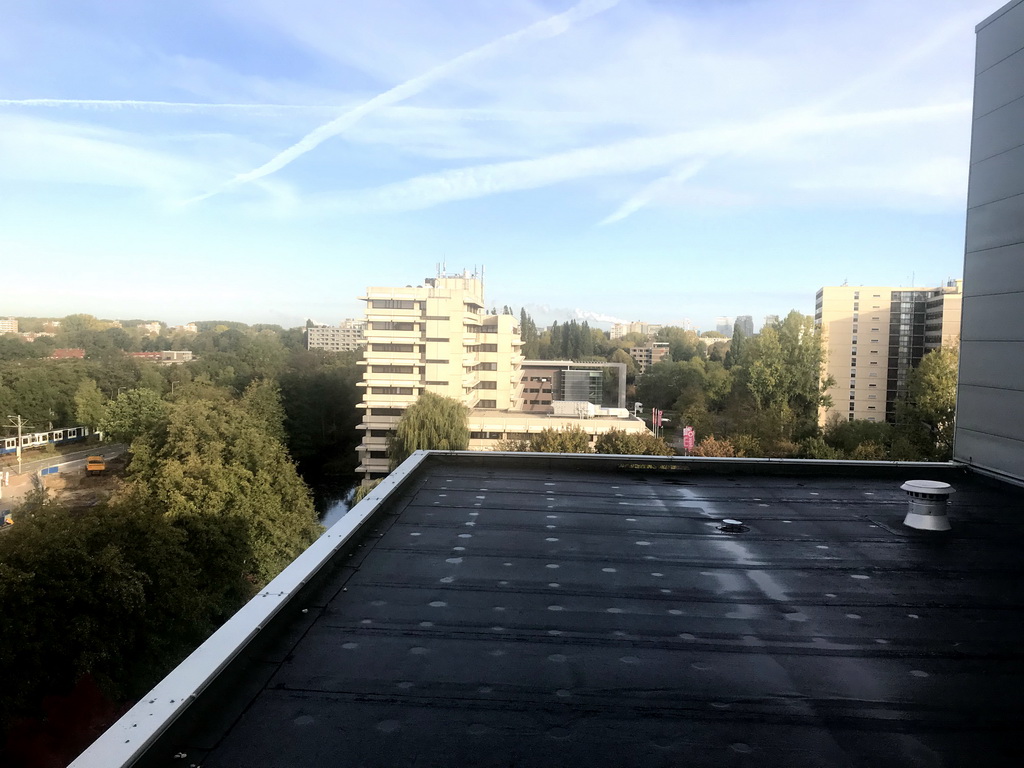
<point>998,86</point>
<point>990,396</point>
<point>1001,36</point>
<point>995,224</point>
<point>991,363</point>
<point>995,271</point>
<point>999,454</point>
<point>997,412</point>
<point>997,178</point>
<point>996,317</point>
<point>999,130</point>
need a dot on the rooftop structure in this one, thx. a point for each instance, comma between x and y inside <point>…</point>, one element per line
<point>530,609</point>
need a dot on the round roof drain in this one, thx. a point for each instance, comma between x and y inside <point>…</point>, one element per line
<point>732,526</point>
<point>927,510</point>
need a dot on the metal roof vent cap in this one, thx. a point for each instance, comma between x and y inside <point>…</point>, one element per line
<point>927,504</point>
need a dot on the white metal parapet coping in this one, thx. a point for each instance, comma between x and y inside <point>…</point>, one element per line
<point>127,739</point>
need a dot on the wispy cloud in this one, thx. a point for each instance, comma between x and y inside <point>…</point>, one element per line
<point>873,79</point>
<point>186,107</point>
<point>549,27</point>
<point>626,157</point>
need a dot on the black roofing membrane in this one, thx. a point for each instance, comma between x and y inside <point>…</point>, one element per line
<point>547,617</point>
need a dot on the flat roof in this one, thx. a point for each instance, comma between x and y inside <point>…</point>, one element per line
<point>545,610</point>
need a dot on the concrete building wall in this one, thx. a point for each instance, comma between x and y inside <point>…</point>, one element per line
<point>874,335</point>
<point>990,398</point>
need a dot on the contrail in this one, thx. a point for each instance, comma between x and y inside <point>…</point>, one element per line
<point>550,27</point>
<point>928,45</point>
<point>158,106</point>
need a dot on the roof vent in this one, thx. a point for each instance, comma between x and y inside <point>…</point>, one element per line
<point>732,526</point>
<point>927,504</point>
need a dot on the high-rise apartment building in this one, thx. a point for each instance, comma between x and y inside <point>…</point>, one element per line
<point>874,335</point>
<point>8,325</point>
<point>345,337</point>
<point>745,324</point>
<point>435,338</point>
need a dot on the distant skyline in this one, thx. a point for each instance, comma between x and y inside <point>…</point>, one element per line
<point>623,159</point>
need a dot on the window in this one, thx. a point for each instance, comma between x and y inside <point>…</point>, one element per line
<point>391,390</point>
<point>391,348</point>
<point>872,385</point>
<point>487,404</point>
<point>437,383</point>
<point>390,325</point>
<point>392,369</point>
<point>488,348</point>
<point>387,411</point>
<point>392,304</point>
<point>437,362</point>
<point>485,435</point>
<point>486,367</point>
<point>487,385</point>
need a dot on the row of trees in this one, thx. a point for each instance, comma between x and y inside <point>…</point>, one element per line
<point>210,508</point>
<point>762,395</point>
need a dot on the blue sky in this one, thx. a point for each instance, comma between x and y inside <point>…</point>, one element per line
<point>265,161</point>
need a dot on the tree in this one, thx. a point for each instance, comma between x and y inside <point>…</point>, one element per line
<point>632,444</point>
<point>213,466</point>
<point>712,446</point>
<point>568,440</point>
<point>90,407</point>
<point>925,417</point>
<point>432,423</point>
<point>135,412</point>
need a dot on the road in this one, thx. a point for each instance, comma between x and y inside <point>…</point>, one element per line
<point>10,495</point>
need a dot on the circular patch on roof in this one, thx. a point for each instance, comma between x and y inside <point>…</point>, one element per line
<point>552,565</point>
<point>608,570</point>
<point>406,685</point>
<point>350,646</point>
<point>918,673</point>
<point>419,650</point>
<point>304,720</point>
<point>614,610</point>
<point>743,749</point>
<point>388,726</point>
<point>454,560</point>
<point>438,604</point>
<point>550,538</point>
<point>465,535</point>
<point>558,657</point>
<point>629,660</point>
<point>563,693</point>
<point>556,608</point>
<point>426,623</point>
<point>643,543</point>
<point>554,584</point>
